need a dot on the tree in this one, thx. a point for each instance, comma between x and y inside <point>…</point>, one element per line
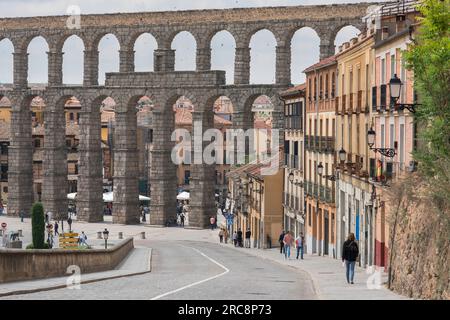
<point>429,59</point>
<point>38,226</point>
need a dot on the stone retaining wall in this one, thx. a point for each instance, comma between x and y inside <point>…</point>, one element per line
<point>21,265</point>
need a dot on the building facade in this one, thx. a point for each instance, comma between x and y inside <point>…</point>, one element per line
<point>294,154</point>
<point>320,152</point>
<point>394,127</point>
<point>355,210</point>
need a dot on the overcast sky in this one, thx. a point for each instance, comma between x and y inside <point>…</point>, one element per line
<point>305,46</point>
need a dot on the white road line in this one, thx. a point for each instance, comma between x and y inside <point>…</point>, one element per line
<point>198,282</point>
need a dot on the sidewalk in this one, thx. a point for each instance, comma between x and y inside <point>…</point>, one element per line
<point>136,263</point>
<point>328,276</point>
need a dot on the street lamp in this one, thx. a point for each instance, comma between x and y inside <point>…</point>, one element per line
<point>387,152</point>
<point>105,236</point>
<point>327,177</point>
<point>395,89</point>
<point>342,155</point>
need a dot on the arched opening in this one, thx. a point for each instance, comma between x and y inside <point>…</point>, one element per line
<point>37,61</point>
<point>305,51</point>
<point>6,62</point>
<point>109,58</point>
<point>344,35</point>
<point>185,47</point>
<point>73,60</point>
<point>263,57</point>
<point>223,112</point>
<point>144,49</point>
<point>223,49</point>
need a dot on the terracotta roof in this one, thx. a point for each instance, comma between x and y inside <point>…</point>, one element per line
<point>294,90</point>
<point>321,64</point>
<point>72,129</point>
<point>183,117</point>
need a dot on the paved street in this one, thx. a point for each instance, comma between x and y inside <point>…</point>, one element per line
<point>196,270</point>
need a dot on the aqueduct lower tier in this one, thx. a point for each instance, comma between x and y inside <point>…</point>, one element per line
<point>164,86</point>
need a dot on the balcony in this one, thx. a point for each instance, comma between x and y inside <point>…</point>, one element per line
<point>350,106</point>
<point>359,102</point>
<point>320,144</point>
<point>336,101</point>
<point>344,104</point>
<point>327,194</point>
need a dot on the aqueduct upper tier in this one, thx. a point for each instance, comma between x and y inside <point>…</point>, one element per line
<point>164,86</point>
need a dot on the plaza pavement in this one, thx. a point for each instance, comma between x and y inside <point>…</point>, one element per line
<point>326,274</point>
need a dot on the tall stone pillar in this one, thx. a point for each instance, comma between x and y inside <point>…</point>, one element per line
<point>283,65</point>
<point>90,178</point>
<point>127,60</point>
<point>164,60</point>
<point>242,66</point>
<point>163,177</point>
<point>55,65</point>
<point>20,159</point>
<point>202,202</point>
<point>126,169</point>
<point>55,185</point>
<point>20,69</point>
<point>204,59</point>
<point>90,67</point>
<point>327,48</point>
<point>241,120</point>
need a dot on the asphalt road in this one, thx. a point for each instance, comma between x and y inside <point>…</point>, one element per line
<point>188,270</point>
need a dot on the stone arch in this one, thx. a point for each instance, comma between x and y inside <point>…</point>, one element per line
<point>38,61</point>
<point>305,51</point>
<point>185,60</point>
<point>224,36</point>
<point>73,57</point>
<point>261,56</point>
<point>347,30</point>
<point>6,47</point>
<point>136,42</point>
<point>108,61</point>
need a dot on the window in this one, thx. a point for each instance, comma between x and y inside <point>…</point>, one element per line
<point>383,71</point>
<point>71,116</point>
<point>382,136</point>
<point>69,143</point>
<point>393,70</point>
<point>309,215</point>
<point>374,99</point>
<point>5,189</point>
<point>402,146</point>
<point>37,143</point>
<point>392,132</point>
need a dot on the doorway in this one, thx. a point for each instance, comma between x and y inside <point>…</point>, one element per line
<point>326,238</point>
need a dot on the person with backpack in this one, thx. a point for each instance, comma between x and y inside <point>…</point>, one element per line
<point>350,253</point>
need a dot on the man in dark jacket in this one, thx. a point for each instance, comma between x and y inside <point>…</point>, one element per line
<point>350,254</point>
<point>281,241</point>
<point>239,238</point>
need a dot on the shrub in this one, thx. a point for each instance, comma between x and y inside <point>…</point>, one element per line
<point>38,226</point>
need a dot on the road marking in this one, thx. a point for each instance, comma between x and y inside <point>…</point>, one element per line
<point>198,282</point>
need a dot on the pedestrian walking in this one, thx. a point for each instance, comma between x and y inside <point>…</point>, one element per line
<point>46,218</point>
<point>288,241</point>
<point>248,235</point>
<point>280,240</point>
<point>350,253</point>
<point>83,239</point>
<point>235,239</point>
<point>22,216</point>
<point>239,238</point>
<point>212,221</point>
<point>221,235</point>
<point>56,228</point>
<point>182,219</point>
<point>225,235</point>
<point>299,243</point>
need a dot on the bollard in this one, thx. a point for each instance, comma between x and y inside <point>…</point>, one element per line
<point>120,235</point>
<point>142,235</point>
<point>99,235</point>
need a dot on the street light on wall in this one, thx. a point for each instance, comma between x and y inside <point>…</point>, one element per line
<point>387,152</point>
<point>328,177</point>
<point>395,89</point>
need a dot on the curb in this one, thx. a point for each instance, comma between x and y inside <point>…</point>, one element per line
<point>56,287</point>
<point>315,283</point>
